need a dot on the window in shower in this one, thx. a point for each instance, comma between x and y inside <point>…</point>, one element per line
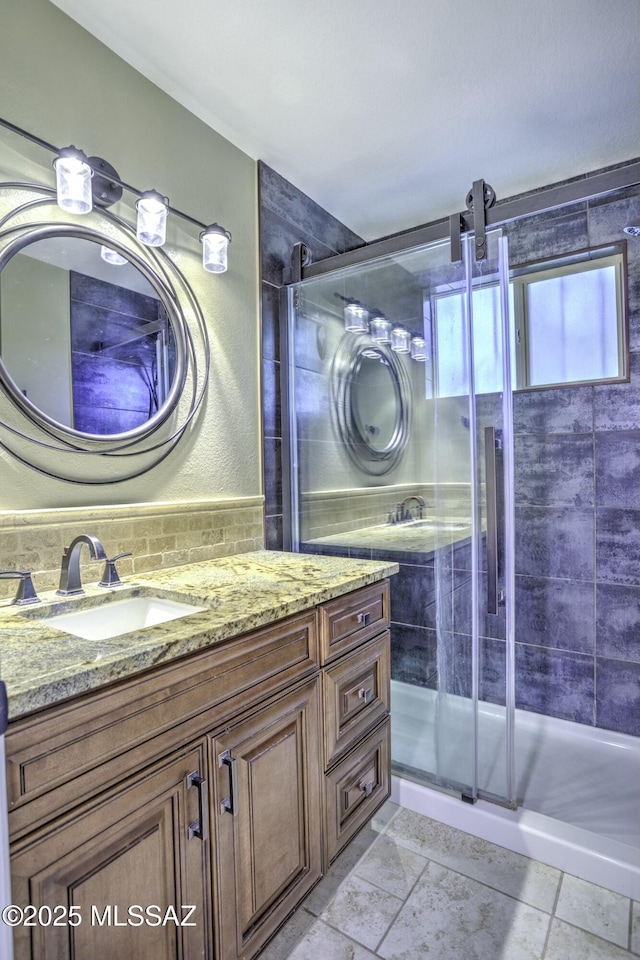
<point>567,321</point>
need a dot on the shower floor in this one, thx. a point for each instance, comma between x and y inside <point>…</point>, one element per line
<point>572,773</point>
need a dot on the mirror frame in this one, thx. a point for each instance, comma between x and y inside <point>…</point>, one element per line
<point>347,363</point>
<point>99,459</point>
<point>49,231</point>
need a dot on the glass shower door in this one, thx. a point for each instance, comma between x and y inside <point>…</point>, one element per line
<point>388,458</point>
<point>473,700</point>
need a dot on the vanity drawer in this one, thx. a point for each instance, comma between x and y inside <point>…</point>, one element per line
<point>348,621</point>
<point>356,692</point>
<point>355,789</point>
<point>62,755</point>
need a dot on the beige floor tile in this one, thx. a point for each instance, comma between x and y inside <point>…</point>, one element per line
<point>527,880</point>
<point>391,866</point>
<point>362,911</point>
<point>635,927</point>
<point>599,911</point>
<point>295,929</point>
<point>324,943</point>
<point>452,917</point>
<point>569,943</point>
<point>324,892</point>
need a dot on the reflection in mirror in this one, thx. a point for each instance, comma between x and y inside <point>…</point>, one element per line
<point>87,342</point>
<point>371,396</point>
<point>374,401</point>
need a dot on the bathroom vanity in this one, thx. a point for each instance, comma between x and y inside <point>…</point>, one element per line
<point>183,809</point>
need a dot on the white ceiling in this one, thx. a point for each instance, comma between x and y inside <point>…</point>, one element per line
<point>386,111</point>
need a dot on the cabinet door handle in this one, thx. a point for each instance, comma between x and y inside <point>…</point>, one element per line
<point>364,618</point>
<point>230,804</point>
<point>365,694</point>
<point>367,788</point>
<point>200,827</point>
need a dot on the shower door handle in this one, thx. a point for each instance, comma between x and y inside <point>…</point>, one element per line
<point>491,487</point>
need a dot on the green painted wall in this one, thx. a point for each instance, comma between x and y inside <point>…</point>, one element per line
<point>60,83</point>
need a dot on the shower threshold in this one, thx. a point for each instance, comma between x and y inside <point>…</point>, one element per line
<point>577,786</point>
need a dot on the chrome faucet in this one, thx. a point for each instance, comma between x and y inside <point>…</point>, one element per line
<point>421,504</point>
<point>25,593</point>
<point>70,570</point>
<point>403,510</point>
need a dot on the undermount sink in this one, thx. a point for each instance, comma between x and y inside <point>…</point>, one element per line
<point>444,525</point>
<point>108,620</point>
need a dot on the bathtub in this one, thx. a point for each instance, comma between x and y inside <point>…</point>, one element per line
<point>578,787</point>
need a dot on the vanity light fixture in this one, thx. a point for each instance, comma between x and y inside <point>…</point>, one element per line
<point>380,328</point>
<point>400,340</point>
<point>83,183</point>
<point>73,180</point>
<point>419,349</point>
<point>356,317</point>
<point>215,242</point>
<point>151,226</point>
<point>111,256</point>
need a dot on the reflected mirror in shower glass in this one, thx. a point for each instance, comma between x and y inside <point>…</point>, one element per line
<point>375,401</point>
<point>87,342</point>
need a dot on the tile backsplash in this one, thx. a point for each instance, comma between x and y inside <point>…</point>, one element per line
<point>157,535</point>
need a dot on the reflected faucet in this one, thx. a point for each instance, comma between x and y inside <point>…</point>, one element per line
<point>70,570</point>
<point>403,510</point>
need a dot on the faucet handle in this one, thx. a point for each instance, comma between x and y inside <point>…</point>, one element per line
<point>25,592</point>
<point>110,576</point>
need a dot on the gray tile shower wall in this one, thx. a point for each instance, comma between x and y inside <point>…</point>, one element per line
<point>287,216</point>
<point>577,507</point>
<point>577,498</point>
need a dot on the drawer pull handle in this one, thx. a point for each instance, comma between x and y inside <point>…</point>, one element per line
<point>367,788</point>
<point>364,618</point>
<point>230,804</point>
<point>200,828</point>
<point>365,694</point>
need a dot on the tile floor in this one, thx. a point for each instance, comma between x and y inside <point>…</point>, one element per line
<point>408,887</point>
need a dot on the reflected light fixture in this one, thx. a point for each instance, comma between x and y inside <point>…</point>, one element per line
<point>418,349</point>
<point>215,242</point>
<point>73,181</point>
<point>151,226</point>
<point>380,328</point>
<point>356,317</point>
<point>400,340</point>
<point>112,256</point>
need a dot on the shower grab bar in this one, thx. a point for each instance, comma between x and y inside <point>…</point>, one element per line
<point>491,477</point>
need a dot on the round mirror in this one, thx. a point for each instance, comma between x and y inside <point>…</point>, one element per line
<point>90,343</point>
<point>372,400</point>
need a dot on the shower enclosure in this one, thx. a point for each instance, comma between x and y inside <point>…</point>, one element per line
<point>402,445</point>
<point>399,405</point>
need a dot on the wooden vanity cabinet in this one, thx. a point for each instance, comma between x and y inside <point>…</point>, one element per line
<point>226,781</point>
<point>355,653</point>
<point>266,802</point>
<point>131,847</point>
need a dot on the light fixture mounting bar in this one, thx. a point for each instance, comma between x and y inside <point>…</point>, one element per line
<point>14,128</point>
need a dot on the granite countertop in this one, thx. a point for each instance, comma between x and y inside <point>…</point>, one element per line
<point>42,665</point>
<point>415,536</point>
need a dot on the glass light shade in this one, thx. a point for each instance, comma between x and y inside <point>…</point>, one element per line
<point>356,317</point>
<point>380,329</point>
<point>400,340</point>
<point>73,181</point>
<point>215,246</point>
<point>151,227</point>
<point>112,257</point>
<point>418,348</point>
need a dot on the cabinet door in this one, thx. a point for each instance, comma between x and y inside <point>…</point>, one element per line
<point>268,836</point>
<point>131,849</point>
